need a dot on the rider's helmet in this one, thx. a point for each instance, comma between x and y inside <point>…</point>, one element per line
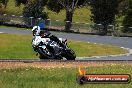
<point>44,31</point>
<point>36,30</point>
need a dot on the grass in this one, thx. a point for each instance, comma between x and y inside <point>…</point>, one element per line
<point>19,47</point>
<point>57,77</point>
<point>90,49</point>
<point>16,46</point>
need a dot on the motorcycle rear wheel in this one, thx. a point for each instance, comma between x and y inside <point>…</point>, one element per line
<point>44,54</point>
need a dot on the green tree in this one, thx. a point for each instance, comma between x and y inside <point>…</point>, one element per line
<point>31,9</point>
<point>34,8</point>
<point>19,2</point>
<point>68,5</point>
<point>3,3</point>
<point>127,22</point>
<point>104,12</point>
<point>122,7</point>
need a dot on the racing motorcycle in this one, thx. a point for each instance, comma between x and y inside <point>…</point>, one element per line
<point>52,48</point>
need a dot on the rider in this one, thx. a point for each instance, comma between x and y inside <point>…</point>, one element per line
<point>44,33</point>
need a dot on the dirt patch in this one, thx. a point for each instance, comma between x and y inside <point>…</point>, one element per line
<point>10,65</point>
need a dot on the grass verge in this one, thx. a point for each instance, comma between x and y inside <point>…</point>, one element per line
<point>57,77</point>
<point>19,46</point>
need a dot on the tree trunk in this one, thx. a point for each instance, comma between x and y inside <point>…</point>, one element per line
<point>105,30</point>
<point>69,15</point>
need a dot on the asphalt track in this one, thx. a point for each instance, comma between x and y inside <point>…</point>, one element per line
<point>125,42</point>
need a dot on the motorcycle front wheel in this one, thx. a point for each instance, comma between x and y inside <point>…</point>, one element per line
<point>70,54</point>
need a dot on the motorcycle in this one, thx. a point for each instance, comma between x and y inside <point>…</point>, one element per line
<point>52,48</point>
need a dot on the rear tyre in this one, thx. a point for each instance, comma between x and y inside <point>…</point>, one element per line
<point>45,54</point>
<point>42,57</point>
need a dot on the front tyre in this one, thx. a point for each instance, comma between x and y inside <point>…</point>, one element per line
<point>70,55</point>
